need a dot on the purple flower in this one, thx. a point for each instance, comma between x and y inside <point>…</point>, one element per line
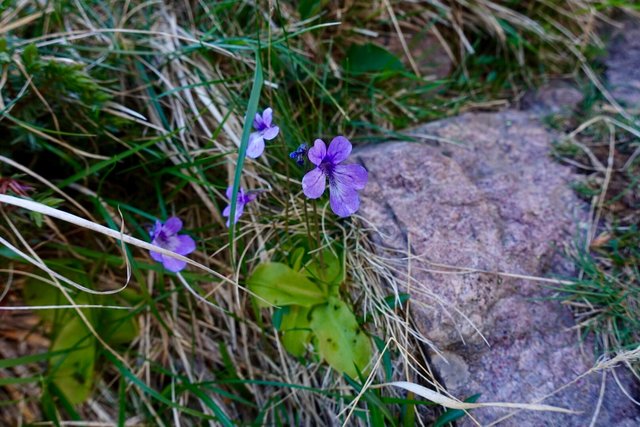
<point>166,236</point>
<point>299,154</point>
<point>344,180</point>
<point>243,199</point>
<point>265,131</point>
<point>14,185</point>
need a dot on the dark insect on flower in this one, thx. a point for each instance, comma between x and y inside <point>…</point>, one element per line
<point>16,187</point>
<point>299,154</point>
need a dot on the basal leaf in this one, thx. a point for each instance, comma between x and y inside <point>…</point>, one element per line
<point>37,293</point>
<point>120,327</point>
<point>341,341</point>
<point>280,285</point>
<point>72,371</point>
<point>326,270</point>
<point>296,331</point>
<point>371,58</point>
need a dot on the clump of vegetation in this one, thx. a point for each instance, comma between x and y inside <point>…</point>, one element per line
<point>606,294</point>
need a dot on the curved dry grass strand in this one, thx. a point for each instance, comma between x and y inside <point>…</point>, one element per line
<point>447,402</point>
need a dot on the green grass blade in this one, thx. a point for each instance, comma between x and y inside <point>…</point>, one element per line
<point>252,108</point>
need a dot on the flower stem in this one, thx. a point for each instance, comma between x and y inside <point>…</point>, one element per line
<point>318,240</point>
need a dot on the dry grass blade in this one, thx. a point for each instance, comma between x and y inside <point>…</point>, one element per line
<point>454,404</point>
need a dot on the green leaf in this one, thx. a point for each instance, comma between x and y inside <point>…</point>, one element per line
<point>252,108</point>
<point>120,327</point>
<point>341,341</point>
<point>295,258</point>
<point>296,330</point>
<point>326,270</point>
<point>30,56</point>
<point>73,372</point>
<point>38,293</point>
<point>280,285</point>
<point>370,58</point>
<point>309,8</point>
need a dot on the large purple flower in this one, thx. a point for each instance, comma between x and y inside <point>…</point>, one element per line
<point>243,199</point>
<point>166,236</point>
<point>344,180</point>
<point>265,130</point>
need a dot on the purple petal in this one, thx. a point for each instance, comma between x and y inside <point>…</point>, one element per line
<point>229,192</point>
<point>157,228</point>
<point>156,256</point>
<point>239,210</point>
<point>318,152</point>
<point>186,245</point>
<point>270,132</point>
<point>258,123</point>
<point>344,201</point>
<point>172,226</point>
<point>353,176</point>
<point>173,265</point>
<point>256,145</point>
<point>313,183</point>
<point>267,116</point>
<point>339,149</point>
<point>249,197</point>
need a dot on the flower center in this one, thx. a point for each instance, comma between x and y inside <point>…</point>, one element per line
<point>327,168</point>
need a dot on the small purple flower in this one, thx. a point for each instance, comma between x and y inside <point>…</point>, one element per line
<point>299,154</point>
<point>344,180</point>
<point>166,236</point>
<point>16,186</point>
<point>265,131</point>
<point>243,199</point>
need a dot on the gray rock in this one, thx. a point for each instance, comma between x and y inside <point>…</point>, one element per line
<point>623,64</point>
<point>556,97</point>
<point>480,191</point>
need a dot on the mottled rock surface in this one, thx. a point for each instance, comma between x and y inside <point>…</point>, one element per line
<point>480,191</point>
<point>556,97</point>
<point>623,64</point>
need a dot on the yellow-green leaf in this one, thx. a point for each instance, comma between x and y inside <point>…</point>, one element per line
<point>72,371</point>
<point>280,285</point>
<point>296,331</point>
<point>341,341</point>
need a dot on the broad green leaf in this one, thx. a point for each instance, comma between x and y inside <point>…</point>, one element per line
<point>295,258</point>
<point>327,269</point>
<point>341,341</point>
<point>370,58</point>
<point>296,331</point>
<point>73,372</point>
<point>38,293</point>
<point>280,285</point>
<point>119,326</point>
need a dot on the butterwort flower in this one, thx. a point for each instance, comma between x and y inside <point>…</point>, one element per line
<point>265,130</point>
<point>166,236</point>
<point>299,154</point>
<point>344,180</point>
<point>241,201</point>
